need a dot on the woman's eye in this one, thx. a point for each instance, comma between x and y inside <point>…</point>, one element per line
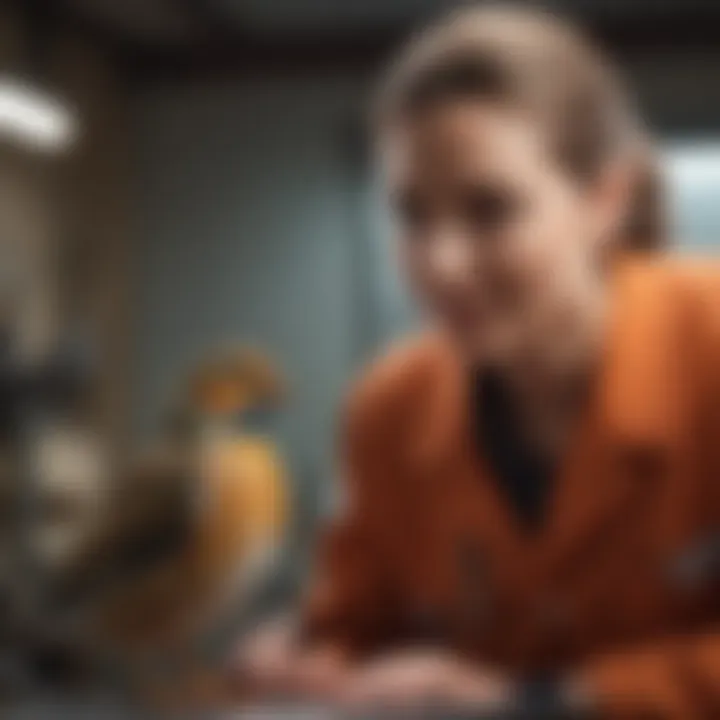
<point>489,209</point>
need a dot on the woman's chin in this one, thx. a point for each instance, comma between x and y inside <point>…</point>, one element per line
<point>495,346</point>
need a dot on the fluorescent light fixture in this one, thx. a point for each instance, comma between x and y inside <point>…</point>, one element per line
<point>32,117</point>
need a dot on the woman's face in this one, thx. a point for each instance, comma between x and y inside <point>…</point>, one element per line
<point>498,242</point>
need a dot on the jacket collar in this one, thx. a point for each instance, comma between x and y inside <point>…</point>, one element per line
<point>639,403</point>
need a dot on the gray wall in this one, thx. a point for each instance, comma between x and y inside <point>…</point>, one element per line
<point>247,231</point>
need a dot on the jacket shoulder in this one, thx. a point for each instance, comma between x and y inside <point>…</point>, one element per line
<point>694,275</point>
<point>691,287</point>
<point>394,384</point>
<point>694,284</point>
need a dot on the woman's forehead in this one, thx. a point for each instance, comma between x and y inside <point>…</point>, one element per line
<point>463,138</point>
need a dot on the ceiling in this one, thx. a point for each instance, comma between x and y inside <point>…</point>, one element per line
<point>141,21</point>
<point>212,34</point>
<point>180,20</point>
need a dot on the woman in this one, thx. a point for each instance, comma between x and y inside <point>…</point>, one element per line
<point>532,512</point>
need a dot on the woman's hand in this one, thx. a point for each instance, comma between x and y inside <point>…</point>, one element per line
<point>416,678</point>
<point>272,665</point>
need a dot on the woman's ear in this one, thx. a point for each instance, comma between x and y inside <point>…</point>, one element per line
<point>613,202</point>
<point>646,221</point>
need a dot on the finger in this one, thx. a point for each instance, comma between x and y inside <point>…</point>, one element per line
<point>372,690</point>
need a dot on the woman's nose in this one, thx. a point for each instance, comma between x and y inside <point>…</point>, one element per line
<point>452,258</point>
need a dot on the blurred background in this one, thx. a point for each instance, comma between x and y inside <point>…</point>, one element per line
<point>177,175</point>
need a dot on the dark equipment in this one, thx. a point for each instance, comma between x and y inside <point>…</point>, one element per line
<point>30,395</point>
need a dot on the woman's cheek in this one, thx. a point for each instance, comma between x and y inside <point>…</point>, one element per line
<point>518,276</point>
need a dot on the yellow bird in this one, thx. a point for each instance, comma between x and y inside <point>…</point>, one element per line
<point>220,477</point>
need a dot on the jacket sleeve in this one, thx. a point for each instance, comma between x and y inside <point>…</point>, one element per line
<point>673,679</point>
<point>352,602</point>
<point>676,677</point>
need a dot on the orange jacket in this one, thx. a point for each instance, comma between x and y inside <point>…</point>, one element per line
<point>622,584</point>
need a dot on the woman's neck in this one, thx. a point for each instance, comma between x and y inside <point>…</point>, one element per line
<point>550,377</point>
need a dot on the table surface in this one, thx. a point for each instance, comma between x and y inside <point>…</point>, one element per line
<point>49,709</point>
